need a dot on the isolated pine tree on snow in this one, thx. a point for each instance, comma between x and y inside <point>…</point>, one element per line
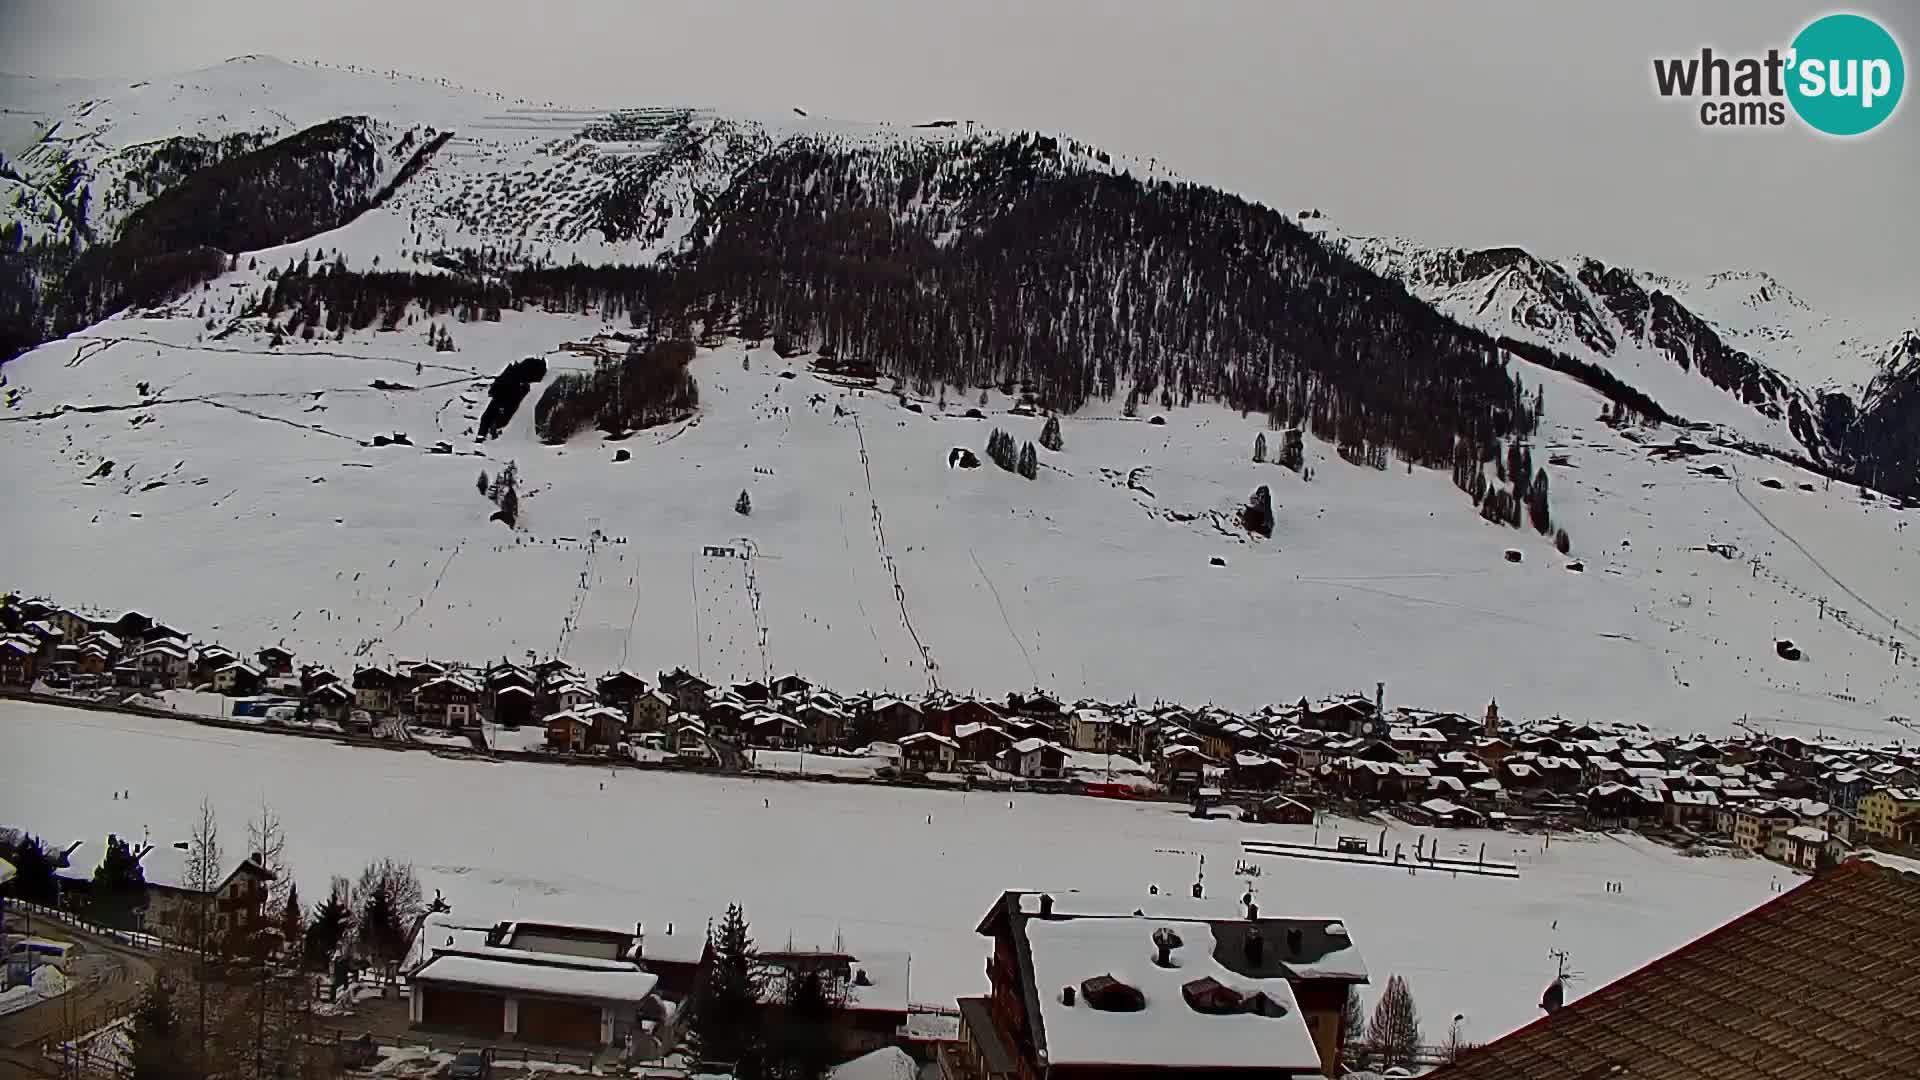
<point>483,483</point>
<point>1260,448</point>
<point>1257,515</point>
<point>1562,542</point>
<point>1029,461</point>
<point>1537,511</point>
<point>743,505</point>
<point>1393,1035</point>
<point>1050,435</point>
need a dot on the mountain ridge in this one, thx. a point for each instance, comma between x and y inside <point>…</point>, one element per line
<point>544,185</point>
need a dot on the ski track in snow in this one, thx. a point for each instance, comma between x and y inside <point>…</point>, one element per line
<point>1371,575</point>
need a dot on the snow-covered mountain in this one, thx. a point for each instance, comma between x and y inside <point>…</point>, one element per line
<point>1735,349</point>
<point>225,459</point>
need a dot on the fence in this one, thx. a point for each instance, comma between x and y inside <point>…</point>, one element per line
<point>345,1041</point>
<point>132,939</point>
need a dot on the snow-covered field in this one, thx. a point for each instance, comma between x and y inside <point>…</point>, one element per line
<point>811,861</point>
<point>240,499</point>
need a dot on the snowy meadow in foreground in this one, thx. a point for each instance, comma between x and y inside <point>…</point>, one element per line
<point>881,868</point>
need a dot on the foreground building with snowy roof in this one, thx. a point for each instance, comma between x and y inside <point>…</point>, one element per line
<point>1821,981</point>
<point>1085,989</point>
<point>538,983</point>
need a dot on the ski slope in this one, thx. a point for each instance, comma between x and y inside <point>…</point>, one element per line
<point>879,869</point>
<point>245,503</point>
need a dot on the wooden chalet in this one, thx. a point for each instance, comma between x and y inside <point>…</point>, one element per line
<point>449,701</point>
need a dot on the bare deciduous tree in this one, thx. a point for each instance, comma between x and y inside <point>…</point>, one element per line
<point>1393,1035</point>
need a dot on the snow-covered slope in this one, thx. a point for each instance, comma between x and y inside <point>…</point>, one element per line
<point>230,486</point>
<point>240,497</point>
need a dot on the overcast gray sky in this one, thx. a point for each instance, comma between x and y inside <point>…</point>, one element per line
<point>1472,123</point>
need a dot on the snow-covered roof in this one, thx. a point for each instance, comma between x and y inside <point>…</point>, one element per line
<point>514,689</point>
<point>919,737</point>
<point>886,1063</point>
<point>1807,834</point>
<point>82,861</point>
<point>575,980</point>
<point>170,867</point>
<point>1443,807</point>
<point>1168,1032</point>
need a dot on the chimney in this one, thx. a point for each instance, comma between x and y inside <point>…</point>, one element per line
<point>1296,941</point>
<point>639,940</point>
<point>1066,996</point>
<point>1253,911</point>
<point>1255,947</point>
<point>1046,910</point>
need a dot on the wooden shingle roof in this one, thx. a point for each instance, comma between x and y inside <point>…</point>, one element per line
<point>1822,981</point>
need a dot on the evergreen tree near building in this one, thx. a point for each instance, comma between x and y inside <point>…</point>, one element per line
<point>1353,1027</point>
<point>119,886</point>
<point>1393,1035</point>
<point>157,1047</point>
<point>1050,435</point>
<point>32,871</point>
<point>800,1045</point>
<point>725,1029</point>
<point>293,925</point>
<point>331,926</point>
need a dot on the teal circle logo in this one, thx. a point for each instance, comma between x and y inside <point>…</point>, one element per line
<point>1846,75</point>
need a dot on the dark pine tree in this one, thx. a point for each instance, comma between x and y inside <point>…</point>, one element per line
<point>743,505</point>
<point>1257,515</point>
<point>1537,511</point>
<point>33,879</point>
<point>332,921</point>
<point>1260,448</point>
<point>726,1028</point>
<point>1050,435</point>
<point>119,886</point>
<point>1029,464</point>
<point>157,1047</point>
<point>801,1044</point>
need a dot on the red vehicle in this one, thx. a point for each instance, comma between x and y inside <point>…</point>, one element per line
<point>1110,791</point>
